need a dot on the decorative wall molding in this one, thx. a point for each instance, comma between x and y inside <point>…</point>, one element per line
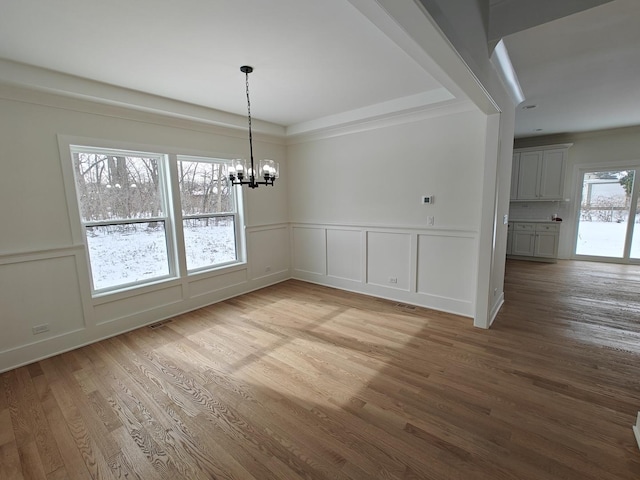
<point>125,111</point>
<point>386,262</point>
<point>39,86</point>
<point>337,255</point>
<point>59,277</point>
<point>28,255</point>
<point>384,121</point>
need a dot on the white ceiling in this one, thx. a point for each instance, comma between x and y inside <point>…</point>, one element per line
<point>312,59</point>
<point>581,71</point>
<point>319,64</point>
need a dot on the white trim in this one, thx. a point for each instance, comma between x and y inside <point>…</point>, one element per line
<point>266,226</point>
<point>636,430</point>
<point>28,255</point>
<point>436,231</point>
<point>559,146</point>
<point>70,86</point>
<point>496,309</point>
<point>439,303</point>
<point>502,63</point>
<point>39,86</point>
<point>24,94</point>
<point>394,107</point>
<point>389,120</point>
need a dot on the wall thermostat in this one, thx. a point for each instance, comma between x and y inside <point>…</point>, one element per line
<point>427,199</point>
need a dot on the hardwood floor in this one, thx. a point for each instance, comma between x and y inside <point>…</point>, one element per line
<point>301,381</point>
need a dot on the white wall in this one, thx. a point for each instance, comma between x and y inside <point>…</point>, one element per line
<point>357,218</point>
<point>44,275</point>
<point>466,24</point>
<point>616,148</point>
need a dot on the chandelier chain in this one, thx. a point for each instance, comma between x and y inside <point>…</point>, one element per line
<point>249,116</point>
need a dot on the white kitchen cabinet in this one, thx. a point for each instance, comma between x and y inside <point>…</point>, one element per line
<point>538,174</point>
<point>523,239</point>
<point>537,240</point>
<point>530,167</point>
<point>546,243</point>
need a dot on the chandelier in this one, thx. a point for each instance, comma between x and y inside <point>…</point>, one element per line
<point>242,174</point>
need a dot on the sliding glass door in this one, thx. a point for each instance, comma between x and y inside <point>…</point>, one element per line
<point>608,227</point>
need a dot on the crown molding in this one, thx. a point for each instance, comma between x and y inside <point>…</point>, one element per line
<point>49,81</point>
<point>372,112</point>
<point>36,85</point>
<point>385,121</point>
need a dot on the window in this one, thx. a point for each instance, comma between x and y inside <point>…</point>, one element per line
<point>208,213</point>
<point>138,230</point>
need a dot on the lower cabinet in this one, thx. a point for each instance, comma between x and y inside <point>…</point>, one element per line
<point>533,239</point>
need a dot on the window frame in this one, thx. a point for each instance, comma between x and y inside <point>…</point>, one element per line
<point>168,182</point>
<point>235,213</point>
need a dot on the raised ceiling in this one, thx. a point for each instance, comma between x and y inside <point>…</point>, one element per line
<point>319,64</point>
<point>312,60</point>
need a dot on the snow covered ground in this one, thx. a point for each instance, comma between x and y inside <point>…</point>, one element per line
<point>140,253</point>
<point>606,239</point>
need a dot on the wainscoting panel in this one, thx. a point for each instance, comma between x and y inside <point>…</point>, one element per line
<point>433,268</point>
<point>268,250</point>
<point>136,304</point>
<point>310,250</point>
<point>447,267</point>
<point>204,285</point>
<point>39,292</point>
<point>50,289</point>
<point>344,254</point>
<point>389,259</point>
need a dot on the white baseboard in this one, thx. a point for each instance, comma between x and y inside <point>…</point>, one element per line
<point>636,430</point>
<point>496,308</point>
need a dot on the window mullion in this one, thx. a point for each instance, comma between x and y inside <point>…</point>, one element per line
<point>128,221</point>
<point>631,219</point>
<point>165,187</point>
<point>179,256</point>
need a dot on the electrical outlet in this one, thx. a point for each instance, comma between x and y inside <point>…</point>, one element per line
<point>267,269</point>
<point>393,279</point>
<point>40,328</point>
<point>431,220</point>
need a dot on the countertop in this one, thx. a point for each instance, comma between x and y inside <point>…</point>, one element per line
<point>531,220</point>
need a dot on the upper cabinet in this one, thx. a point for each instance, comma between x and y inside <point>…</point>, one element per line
<point>538,173</point>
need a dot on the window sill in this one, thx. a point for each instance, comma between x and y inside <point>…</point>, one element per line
<point>161,284</point>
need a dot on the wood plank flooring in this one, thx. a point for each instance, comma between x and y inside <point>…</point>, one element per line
<point>301,381</point>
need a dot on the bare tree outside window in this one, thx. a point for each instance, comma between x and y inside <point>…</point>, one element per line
<point>207,210</point>
<point>123,198</point>
<point>121,207</point>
